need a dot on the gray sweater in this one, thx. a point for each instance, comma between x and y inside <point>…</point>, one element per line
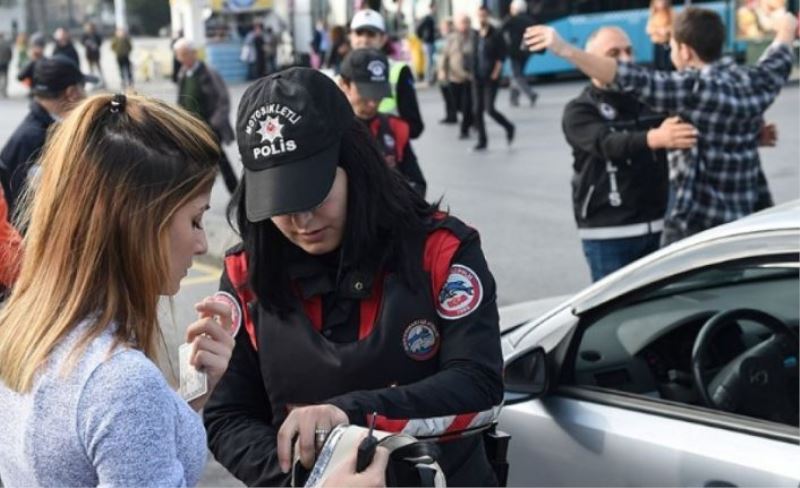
<point>112,421</point>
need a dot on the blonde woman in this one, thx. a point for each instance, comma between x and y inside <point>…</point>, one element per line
<point>659,28</point>
<point>114,223</point>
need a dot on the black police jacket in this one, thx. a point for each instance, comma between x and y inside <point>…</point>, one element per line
<point>425,358</point>
<point>618,180</point>
<point>21,152</point>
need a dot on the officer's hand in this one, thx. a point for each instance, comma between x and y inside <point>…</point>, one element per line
<point>372,477</point>
<point>672,134</point>
<point>541,37</point>
<point>212,342</point>
<point>786,28</point>
<point>302,422</point>
<point>768,136</point>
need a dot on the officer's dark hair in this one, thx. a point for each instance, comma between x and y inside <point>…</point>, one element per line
<point>701,30</point>
<point>382,212</point>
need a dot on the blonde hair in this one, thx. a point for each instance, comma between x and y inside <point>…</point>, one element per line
<point>112,175</point>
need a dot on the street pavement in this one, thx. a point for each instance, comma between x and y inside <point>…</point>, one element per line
<point>518,197</point>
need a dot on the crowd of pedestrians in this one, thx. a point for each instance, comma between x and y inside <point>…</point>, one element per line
<point>343,262</point>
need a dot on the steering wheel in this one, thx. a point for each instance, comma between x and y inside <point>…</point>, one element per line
<point>755,382</point>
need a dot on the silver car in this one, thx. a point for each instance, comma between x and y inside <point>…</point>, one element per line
<point>679,370</point>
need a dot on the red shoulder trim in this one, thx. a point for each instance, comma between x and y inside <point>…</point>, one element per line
<point>402,134</point>
<point>236,268</point>
<point>440,247</point>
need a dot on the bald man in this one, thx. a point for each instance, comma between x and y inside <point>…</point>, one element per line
<point>620,186</point>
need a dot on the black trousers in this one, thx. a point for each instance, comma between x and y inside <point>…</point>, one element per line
<point>450,110</point>
<point>462,94</point>
<point>484,93</point>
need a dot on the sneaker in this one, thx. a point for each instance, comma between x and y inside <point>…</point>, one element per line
<point>463,136</point>
<point>534,98</point>
<point>448,121</point>
<point>510,134</point>
<point>481,146</point>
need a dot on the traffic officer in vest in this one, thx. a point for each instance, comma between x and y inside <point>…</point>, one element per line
<point>620,186</point>
<point>364,79</point>
<point>368,30</point>
<point>355,300</point>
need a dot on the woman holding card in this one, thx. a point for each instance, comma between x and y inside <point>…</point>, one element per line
<point>112,225</point>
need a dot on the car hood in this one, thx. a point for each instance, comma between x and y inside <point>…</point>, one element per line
<point>517,314</point>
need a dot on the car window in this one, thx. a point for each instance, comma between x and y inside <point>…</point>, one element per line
<point>644,343</point>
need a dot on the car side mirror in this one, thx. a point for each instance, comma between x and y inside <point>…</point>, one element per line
<point>528,374</point>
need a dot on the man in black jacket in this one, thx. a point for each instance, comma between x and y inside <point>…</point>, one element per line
<point>202,91</point>
<point>518,54</point>
<point>490,52</point>
<point>57,86</point>
<point>64,45</point>
<point>620,186</point>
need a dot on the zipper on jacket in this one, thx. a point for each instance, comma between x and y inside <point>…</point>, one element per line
<point>588,197</point>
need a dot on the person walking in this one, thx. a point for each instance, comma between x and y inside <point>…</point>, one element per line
<point>6,53</point>
<point>458,64</point>
<point>659,29</point>
<point>339,48</point>
<point>121,46</point>
<point>442,76</point>
<point>271,43</point>
<point>253,52</point>
<point>368,30</point>
<point>620,184</point>
<point>92,41</point>
<point>721,179</point>
<point>64,45</point>
<point>513,31</point>
<point>202,91</point>
<point>426,31</point>
<point>114,225</point>
<point>360,303</point>
<point>57,86</point>
<point>490,52</point>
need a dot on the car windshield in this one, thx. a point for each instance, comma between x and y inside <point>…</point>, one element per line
<point>718,277</point>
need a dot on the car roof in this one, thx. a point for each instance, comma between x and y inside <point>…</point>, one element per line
<point>770,232</point>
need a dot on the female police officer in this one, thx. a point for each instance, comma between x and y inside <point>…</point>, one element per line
<point>355,296</point>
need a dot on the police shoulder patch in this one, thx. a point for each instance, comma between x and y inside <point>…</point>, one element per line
<point>236,310</point>
<point>461,294</point>
<point>421,340</point>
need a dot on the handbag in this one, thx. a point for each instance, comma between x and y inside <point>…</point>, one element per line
<point>248,54</point>
<point>411,462</point>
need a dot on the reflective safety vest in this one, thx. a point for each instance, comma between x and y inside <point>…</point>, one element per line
<point>389,104</point>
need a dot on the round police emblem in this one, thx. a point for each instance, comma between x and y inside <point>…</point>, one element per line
<point>607,111</point>
<point>461,293</point>
<point>377,69</point>
<point>421,340</point>
<point>236,310</point>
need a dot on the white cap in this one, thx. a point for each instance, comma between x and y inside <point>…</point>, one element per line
<point>368,19</point>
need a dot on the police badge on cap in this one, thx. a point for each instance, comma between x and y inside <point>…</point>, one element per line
<point>369,70</point>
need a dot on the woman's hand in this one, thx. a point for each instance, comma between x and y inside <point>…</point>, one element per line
<point>212,344</point>
<point>303,422</point>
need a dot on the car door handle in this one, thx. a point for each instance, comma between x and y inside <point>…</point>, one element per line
<point>719,484</point>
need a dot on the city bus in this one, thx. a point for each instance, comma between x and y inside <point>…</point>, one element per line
<point>575,20</point>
